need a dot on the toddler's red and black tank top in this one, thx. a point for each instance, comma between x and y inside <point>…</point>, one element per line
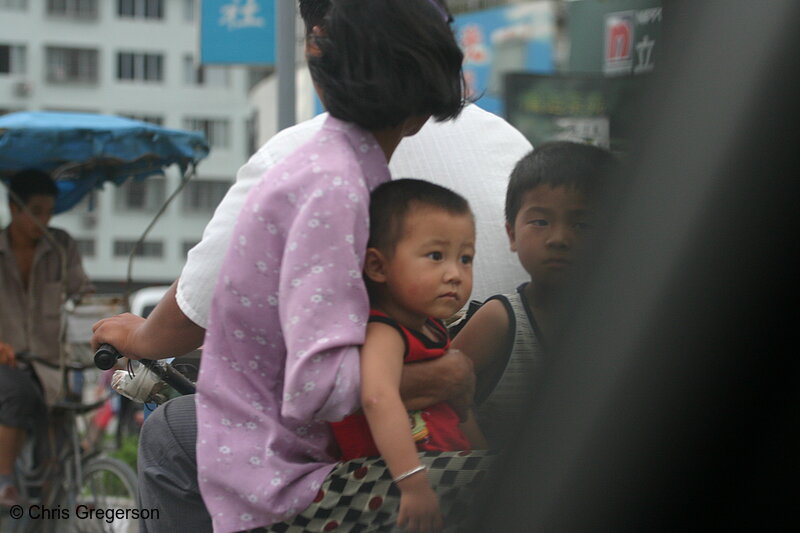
<point>434,429</point>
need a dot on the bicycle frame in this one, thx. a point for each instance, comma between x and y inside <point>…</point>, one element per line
<point>51,469</point>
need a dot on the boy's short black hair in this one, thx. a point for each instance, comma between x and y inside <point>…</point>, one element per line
<point>579,166</point>
<point>391,202</point>
<point>30,182</point>
<point>383,61</point>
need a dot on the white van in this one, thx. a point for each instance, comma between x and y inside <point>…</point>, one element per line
<point>145,300</point>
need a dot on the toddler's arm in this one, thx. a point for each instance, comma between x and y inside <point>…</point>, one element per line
<point>381,367</point>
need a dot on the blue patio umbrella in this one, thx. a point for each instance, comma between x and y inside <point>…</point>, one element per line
<point>84,150</point>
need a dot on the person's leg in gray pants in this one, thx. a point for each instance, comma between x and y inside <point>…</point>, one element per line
<point>168,470</point>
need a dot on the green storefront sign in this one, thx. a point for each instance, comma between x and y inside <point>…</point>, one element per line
<point>585,108</point>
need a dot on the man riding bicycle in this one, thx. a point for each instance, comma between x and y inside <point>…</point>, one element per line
<point>31,278</point>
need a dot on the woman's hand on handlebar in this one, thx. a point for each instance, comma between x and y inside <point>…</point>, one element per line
<point>7,355</point>
<point>119,331</point>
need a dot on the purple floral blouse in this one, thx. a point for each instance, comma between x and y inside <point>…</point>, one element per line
<point>288,316</point>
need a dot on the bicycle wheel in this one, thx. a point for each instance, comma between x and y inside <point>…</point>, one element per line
<point>107,501</point>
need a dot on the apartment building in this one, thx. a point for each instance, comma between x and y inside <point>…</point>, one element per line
<point>135,58</point>
<point>139,58</point>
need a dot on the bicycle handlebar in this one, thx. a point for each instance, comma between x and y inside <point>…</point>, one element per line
<point>106,356</point>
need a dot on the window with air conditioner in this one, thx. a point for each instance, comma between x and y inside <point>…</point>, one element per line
<point>71,65</point>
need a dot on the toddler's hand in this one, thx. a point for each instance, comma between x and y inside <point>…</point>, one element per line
<point>419,506</point>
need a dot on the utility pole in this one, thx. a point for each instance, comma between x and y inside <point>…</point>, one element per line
<point>285,21</point>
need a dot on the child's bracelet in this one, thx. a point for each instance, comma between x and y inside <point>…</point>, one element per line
<point>410,473</point>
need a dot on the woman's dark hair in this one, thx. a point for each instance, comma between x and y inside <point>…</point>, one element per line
<point>313,13</point>
<point>383,61</point>
<point>30,182</point>
<point>391,202</point>
<point>579,166</point>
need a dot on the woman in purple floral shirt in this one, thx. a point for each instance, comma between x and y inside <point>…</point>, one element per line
<point>290,307</point>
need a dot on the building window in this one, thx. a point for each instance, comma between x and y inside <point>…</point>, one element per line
<point>158,120</point>
<point>12,59</point>
<point>217,131</point>
<point>20,5</point>
<point>204,195</point>
<point>66,65</point>
<point>208,75</point>
<point>140,67</point>
<point>146,9</point>
<point>86,9</point>
<point>86,247</point>
<point>145,249</point>
<point>189,10</point>
<point>188,245</point>
<point>146,195</point>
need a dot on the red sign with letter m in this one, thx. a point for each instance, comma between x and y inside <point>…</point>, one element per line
<point>618,43</point>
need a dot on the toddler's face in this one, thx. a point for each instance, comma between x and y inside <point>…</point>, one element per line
<point>430,273</point>
<point>550,227</point>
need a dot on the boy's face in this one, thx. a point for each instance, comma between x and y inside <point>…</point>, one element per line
<point>550,228</point>
<point>41,207</point>
<point>430,273</point>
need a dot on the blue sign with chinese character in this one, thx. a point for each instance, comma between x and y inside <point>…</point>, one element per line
<point>238,31</point>
<point>507,39</point>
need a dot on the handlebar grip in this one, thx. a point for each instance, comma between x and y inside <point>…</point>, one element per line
<point>106,356</point>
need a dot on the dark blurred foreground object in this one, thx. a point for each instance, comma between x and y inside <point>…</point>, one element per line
<point>673,397</point>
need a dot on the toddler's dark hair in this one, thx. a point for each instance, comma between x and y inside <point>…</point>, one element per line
<point>383,61</point>
<point>391,202</point>
<point>30,182</point>
<point>579,166</point>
